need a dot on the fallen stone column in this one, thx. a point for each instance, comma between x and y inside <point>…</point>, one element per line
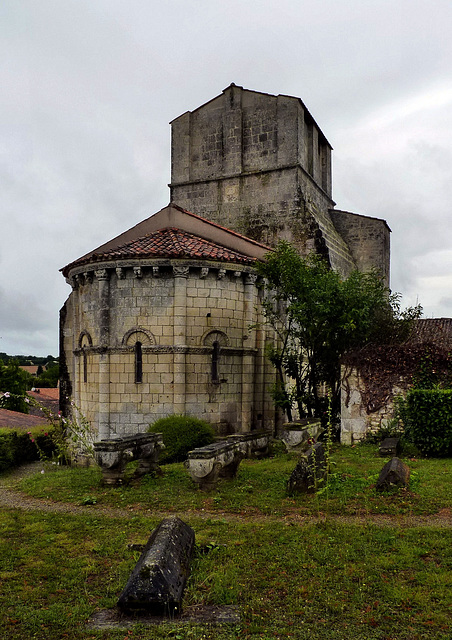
<point>157,583</point>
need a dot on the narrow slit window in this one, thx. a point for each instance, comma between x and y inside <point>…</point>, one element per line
<point>138,362</point>
<point>85,366</point>
<point>215,358</point>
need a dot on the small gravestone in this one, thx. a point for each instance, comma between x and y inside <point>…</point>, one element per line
<point>156,584</point>
<point>394,474</point>
<point>310,471</point>
<point>389,447</point>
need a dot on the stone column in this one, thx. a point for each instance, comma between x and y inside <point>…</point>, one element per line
<point>103,420</point>
<point>249,356</point>
<point>179,337</point>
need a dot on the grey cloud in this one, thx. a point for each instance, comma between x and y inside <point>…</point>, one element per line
<point>89,88</point>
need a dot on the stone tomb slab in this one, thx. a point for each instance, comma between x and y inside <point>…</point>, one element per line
<point>157,582</point>
<point>310,471</point>
<point>394,474</point>
<point>194,614</point>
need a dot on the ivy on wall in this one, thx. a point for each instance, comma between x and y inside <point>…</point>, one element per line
<point>383,367</point>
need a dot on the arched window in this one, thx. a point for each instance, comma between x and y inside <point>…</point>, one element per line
<point>137,338</point>
<point>85,342</point>
<point>216,340</point>
<point>138,362</point>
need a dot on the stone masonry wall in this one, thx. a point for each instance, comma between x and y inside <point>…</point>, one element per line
<point>356,422</point>
<point>258,164</point>
<point>368,239</point>
<point>218,304</point>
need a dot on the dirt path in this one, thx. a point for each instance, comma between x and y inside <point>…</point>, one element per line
<point>13,499</point>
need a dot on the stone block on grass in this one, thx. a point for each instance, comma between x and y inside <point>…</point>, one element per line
<point>157,582</point>
<point>389,447</point>
<point>310,472</point>
<point>395,474</point>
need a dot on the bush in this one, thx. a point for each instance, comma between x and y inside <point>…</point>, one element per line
<point>18,447</point>
<point>181,434</point>
<point>427,418</point>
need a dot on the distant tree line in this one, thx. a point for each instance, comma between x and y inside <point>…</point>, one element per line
<point>26,361</point>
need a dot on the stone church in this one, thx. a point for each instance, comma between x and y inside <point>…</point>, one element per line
<point>166,317</point>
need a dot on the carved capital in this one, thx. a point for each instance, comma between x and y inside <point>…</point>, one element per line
<point>88,277</point>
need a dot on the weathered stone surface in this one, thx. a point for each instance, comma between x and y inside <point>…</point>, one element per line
<point>222,458</point>
<point>389,447</point>
<point>193,614</point>
<point>395,473</point>
<point>254,444</point>
<point>208,463</point>
<point>158,580</point>
<point>113,455</point>
<point>297,435</point>
<point>309,472</point>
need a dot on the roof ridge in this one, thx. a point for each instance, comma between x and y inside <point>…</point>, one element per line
<point>219,226</point>
<point>171,242</point>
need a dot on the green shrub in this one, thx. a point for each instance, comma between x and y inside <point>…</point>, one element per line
<point>19,447</point>
<point>181,434</point>
<point>427,418</point>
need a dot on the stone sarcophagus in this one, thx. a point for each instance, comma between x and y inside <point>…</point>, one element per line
<point>206,464</point>
<point>222,458</point>
<point>114,454</point>
<point>254,444</point>
<point>298,436</point>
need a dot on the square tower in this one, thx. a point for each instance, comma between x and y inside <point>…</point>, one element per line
<point>258,164</point>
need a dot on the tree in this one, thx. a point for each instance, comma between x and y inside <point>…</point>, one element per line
<point>14,382</point>
<point>318,317</point>
<point>49,377</point>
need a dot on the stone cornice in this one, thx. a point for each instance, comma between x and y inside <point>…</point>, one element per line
<point>227,351</point>
<point>155,268</point>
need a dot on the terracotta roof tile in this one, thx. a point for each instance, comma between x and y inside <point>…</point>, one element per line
<point>169,243</point>
<point>434,330</point>
<point>21,421</point>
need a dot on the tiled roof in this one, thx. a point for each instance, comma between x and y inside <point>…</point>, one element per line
<point>169,243</point>
<point>434,330</point>
<point>20,421</point>
<point>45,393</point>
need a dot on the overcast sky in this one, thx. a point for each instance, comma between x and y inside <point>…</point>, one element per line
<point>88,88</point>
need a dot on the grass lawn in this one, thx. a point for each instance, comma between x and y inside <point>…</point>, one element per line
<point>288,578</point>
<point>260,488</point>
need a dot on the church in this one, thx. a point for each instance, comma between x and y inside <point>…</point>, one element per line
<point>166,317</point>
